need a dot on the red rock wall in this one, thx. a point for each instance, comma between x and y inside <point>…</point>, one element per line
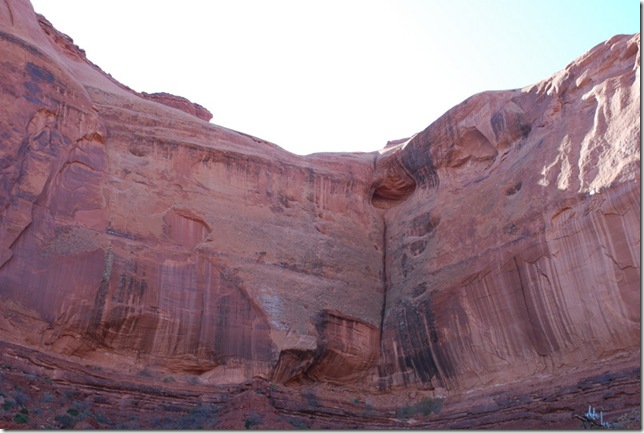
<point>133,229</point>
<point>500,243</point>
<point>518,254</point>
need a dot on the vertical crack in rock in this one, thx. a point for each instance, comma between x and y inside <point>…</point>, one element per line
<point>385,282</point>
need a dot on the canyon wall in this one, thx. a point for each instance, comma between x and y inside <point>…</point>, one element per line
<point>132,228</point>
<point>518,254</point>
<point>501,243</point>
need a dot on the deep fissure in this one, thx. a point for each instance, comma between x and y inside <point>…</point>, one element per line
<point>385,278</point>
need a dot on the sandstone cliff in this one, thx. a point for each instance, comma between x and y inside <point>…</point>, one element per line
<point>498,246</point>
<point>518,252</point>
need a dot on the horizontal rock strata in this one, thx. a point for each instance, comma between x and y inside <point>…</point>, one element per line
<point>499,245</point>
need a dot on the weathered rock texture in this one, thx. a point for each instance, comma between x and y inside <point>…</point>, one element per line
<point>518,253</point>
<point>498,246</point>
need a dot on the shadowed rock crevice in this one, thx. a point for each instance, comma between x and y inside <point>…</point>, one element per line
<point>393,187</point>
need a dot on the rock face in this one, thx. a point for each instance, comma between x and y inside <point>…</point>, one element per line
<point>499,245</point>
<point>180,104</point>
<point>518,252</point>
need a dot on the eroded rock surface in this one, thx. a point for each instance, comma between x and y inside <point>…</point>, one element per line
<point>518,253</point>
<point>499,245</point>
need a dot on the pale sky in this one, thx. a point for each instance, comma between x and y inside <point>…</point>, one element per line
<point>334,75</point>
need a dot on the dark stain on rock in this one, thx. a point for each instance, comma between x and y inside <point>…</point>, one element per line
<point>39,74</point>
<point>513,189</point>
<point>404,264</point>
<point>421,343</point>
<point>423,225</point>
<point>130,289</point>
<point>418,247</point>
<point>418,162</point>
<point>419,290</point>
<point>498,123</point>
<point>94,329</point>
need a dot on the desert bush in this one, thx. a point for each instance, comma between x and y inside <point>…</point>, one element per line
<point>199,416</point>
<point>65,421</point>
<point>311,398</point>
<point>298,423</point>
<point>146,372</point>
<point>100,399</point>
<point>21,418</point>
<point>72,395</point>
<point>369,410</point>
<point>253,419</point>
<point>171,408</point>
<point>630,420</point>
<point>100,417</point>
<point>426,406</point>
<point>21,398</point>
<point>203,409</point>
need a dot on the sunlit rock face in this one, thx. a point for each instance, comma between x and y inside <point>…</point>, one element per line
<point>518,253</point>
<point>135,229</point>
<point>501,243</point>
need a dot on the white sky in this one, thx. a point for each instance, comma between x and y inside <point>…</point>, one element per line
<point>334,75</point>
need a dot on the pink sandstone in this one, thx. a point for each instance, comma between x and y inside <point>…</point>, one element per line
<point>499,246</point>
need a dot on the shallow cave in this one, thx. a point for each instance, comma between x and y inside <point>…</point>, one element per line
<point>393,189</point>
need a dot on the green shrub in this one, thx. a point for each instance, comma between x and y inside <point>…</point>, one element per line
<point>297,423</point>
<point>21,398</point>
<point>65,421</point>
<point>311,398</point>
<point>369,410</point>
<point>145,372</point>
<point>426,406</point>
<point>199,416</point>
<point>21,418</point>
<point>253,419</point>
<point>203,409</point>
<point>429,405</point>
<point>101,418</point>
<point>71,395</point>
